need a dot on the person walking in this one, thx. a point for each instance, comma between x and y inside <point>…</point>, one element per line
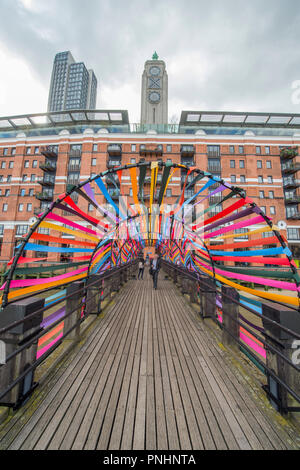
<point>155,267</point>
<point>141,268</point>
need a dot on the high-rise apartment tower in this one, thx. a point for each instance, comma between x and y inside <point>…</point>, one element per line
<point>72,85</point>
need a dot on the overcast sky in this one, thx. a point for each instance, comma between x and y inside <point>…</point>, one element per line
<point>220,55</point>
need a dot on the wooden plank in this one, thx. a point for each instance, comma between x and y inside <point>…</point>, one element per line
<point>109,418</point>
<point>82,379</point>
<point>241,402</point>
<point>150,376</point>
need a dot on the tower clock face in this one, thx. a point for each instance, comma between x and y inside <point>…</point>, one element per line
<point>154,70</point>
<point>154,97</point>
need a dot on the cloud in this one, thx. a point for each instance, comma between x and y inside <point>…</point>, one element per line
<point>219,55</point>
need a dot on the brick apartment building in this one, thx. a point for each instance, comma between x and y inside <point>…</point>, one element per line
<point>40,156</point>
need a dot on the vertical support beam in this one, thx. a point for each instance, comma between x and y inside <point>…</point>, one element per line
<point>12,340</point>
<point>285,343</point>
<point>207,297</point>
<point>230,311</point>
<point>74,304</point>
<point>93,295</point>
<point>193,291</point>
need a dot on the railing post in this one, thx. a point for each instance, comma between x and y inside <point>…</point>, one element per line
<point>13,340</point>
<point>193,291</point>
<point>285,343</point>
<point>93,295</point>
<point>74,304</point>
<point>207,297</point>
<point>185,287</point>
<point>230,315</point>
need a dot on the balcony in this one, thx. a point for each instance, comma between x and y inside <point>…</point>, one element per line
<point>44,196</point>
<point>112,178</point>
<point>187,150</point>
<point>73,181</point>
<point>288,153</point>
<point>75,153</point>
<point>214,168</point>
<point>188,193</point>
<point>74,166</point>
<point>114,194</point>
<point>48,166</point>
<point>114,149</point>
<point>151,151</point>
<point>292,200</point>
<point>187,161</point>
<point>113,163</point>
<point>46,180</point>
<point>290,183</point>
<point>295,216</point>
<point>215,199</point>
<point>290,168</point>
<point>49,151</point>
<point>190,178</point>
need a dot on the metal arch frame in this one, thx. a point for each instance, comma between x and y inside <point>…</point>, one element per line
<point>238,191</point>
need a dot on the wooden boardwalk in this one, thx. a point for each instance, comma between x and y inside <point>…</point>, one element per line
<point>150,376</point>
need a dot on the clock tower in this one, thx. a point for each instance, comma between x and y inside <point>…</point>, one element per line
<point>154,108</point>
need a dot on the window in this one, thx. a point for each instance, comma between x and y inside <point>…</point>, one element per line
<point>22,192</point>
<point>4,207</point>
<point>8,179</point>
<point>34,164</point>
<point>290,211</point>
<point>28,150</point>
<point>30,192</point>
<point>232,163</point>
<point>260,179</point>
<point>272,210</point>
<point>233,179</point>
<point>36,150</point>
<point>11,165</point>
<point>267,150</point>
<point>29,207</point>
<point>13,151</point>
<point>1,229</point>
<point>293,234</point>
<point>263,208</point>
<point>258,150</point>
<point>95,147</point>
<point>169,160</point>
<point>22,230</point>
<point>271,194</point>
<point>241,149</point>
<point>259,163</point>
<point>239,231</point>
<point>133,147</point>
<point>5,152</point>
<point>169,192</point>
<point>213,150</point>
<point>242,163</point>
<point>243,179</point>
<point>231,149</point>
<point>3,164</point>
<point>269,164</point>
<point>261,194</point>
<point>94,161</point>
<point>32,178</point>
<point>26,164</point>
<point>270,179</point>
<point>91,207</point>
<point>21,207</point>
<point>7,192</point>
<point>132,161</point>
<point>169,148</point>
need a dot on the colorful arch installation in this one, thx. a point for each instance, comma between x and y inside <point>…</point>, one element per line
<point>215,229</point>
